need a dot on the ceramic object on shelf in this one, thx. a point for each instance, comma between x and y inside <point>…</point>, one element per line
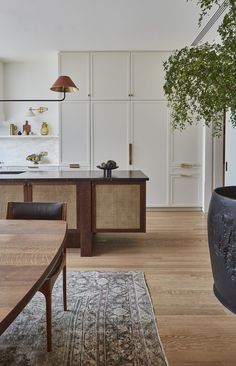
<point>13,129</point>
<point>26,128</point>
<point>44,129</point>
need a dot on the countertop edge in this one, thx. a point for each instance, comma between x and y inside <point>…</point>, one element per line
<point>133,175</point>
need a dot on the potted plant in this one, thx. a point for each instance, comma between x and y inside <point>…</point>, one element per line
<point>200,81</point>
<point>200,84</point>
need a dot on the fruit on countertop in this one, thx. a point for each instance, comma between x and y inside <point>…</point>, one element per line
<point>110,164</point>
<point>35,158</point>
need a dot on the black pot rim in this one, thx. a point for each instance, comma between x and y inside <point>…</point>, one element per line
<point>228,192</point>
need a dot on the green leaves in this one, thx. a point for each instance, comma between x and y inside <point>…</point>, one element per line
<point>200,82</point>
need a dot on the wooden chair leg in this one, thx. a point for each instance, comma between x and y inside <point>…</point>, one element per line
<point>47,291</point>
<point>64,288</point>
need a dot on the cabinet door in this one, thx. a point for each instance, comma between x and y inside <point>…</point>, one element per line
<point>118,207</point>
<point>150,148</point>
<point>58,193</point>
<point>76,65</point>
<point>110,75</point>
<point>110,129</point>
<point>185,190</point>
<point>147,75</point>
<point>10,192</point>
<point>186,167</point>
<point>186,146</point>
<point>75,132</point>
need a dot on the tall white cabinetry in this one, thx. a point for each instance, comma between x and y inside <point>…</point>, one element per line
<point>147,75</point>
<point>75,132</point>
<point>77,65</point>
<point>75,111</point>
<point>110,75</point>
<point>150,124</point>
<point>186,167</point>
<point>120,113</point>
<point>110,116</point>
<point>110,132</point>
<point>150,141</point>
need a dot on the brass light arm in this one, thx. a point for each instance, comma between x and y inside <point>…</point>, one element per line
<point>63,84</point>
<point>35,100</point>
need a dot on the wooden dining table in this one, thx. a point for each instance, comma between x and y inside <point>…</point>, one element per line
<point>29,250</point>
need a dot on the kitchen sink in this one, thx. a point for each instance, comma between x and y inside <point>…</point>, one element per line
<point>13,172</point>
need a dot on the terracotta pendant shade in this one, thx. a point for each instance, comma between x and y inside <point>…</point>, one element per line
<point>64,84</point>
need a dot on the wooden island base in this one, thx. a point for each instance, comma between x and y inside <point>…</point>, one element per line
<point>95,204</point>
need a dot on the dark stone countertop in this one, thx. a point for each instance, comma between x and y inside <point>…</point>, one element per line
<point>74,175</point>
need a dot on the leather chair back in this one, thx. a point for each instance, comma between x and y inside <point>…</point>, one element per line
<point>36,210</point>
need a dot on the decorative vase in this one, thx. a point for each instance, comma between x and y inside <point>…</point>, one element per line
<point>26,128</point>
<point>44,129</point>
<point>222,244</point>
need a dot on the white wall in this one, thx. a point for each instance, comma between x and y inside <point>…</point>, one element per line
<point>29,80</point>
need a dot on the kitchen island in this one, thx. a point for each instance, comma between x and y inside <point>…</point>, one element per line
<point>94,203</point>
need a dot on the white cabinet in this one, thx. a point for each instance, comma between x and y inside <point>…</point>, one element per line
<point>150,130</point>
<point>110,75</point>
<point>75,132</point>
<point>186,167</point>
<point>110,133</point>
<point>127,106</point>
<point>185,190</point>
<point>147,75</point>
<point>186,146</point>
<point>77,66</point>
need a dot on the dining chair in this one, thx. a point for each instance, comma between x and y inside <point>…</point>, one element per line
<point>44,211</point>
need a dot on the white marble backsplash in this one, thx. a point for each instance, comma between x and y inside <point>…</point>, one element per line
<point>14,151</point>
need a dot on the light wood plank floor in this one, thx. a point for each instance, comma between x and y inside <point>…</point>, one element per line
<point>195,329</point>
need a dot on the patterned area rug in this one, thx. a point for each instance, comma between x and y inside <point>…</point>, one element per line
<point>110,322</point>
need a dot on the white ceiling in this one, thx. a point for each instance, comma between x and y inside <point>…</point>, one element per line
<point>32,28</point>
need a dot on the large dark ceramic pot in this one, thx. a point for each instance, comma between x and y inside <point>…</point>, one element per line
<point>222,244</point>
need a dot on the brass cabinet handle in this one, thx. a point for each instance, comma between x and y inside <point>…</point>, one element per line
<point>74,165</point>
<point>186,165</point>
<point>131,95</point>
<point>130,154</point>
<point>186,175</point>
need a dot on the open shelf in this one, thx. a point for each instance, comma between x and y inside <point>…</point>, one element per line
<point>29,137</point>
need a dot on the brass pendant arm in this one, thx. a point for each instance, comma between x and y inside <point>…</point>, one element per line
<point>35,100</point>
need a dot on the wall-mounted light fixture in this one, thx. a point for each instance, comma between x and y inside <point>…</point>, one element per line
<point>40,110</point>
<point>63,84</point>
